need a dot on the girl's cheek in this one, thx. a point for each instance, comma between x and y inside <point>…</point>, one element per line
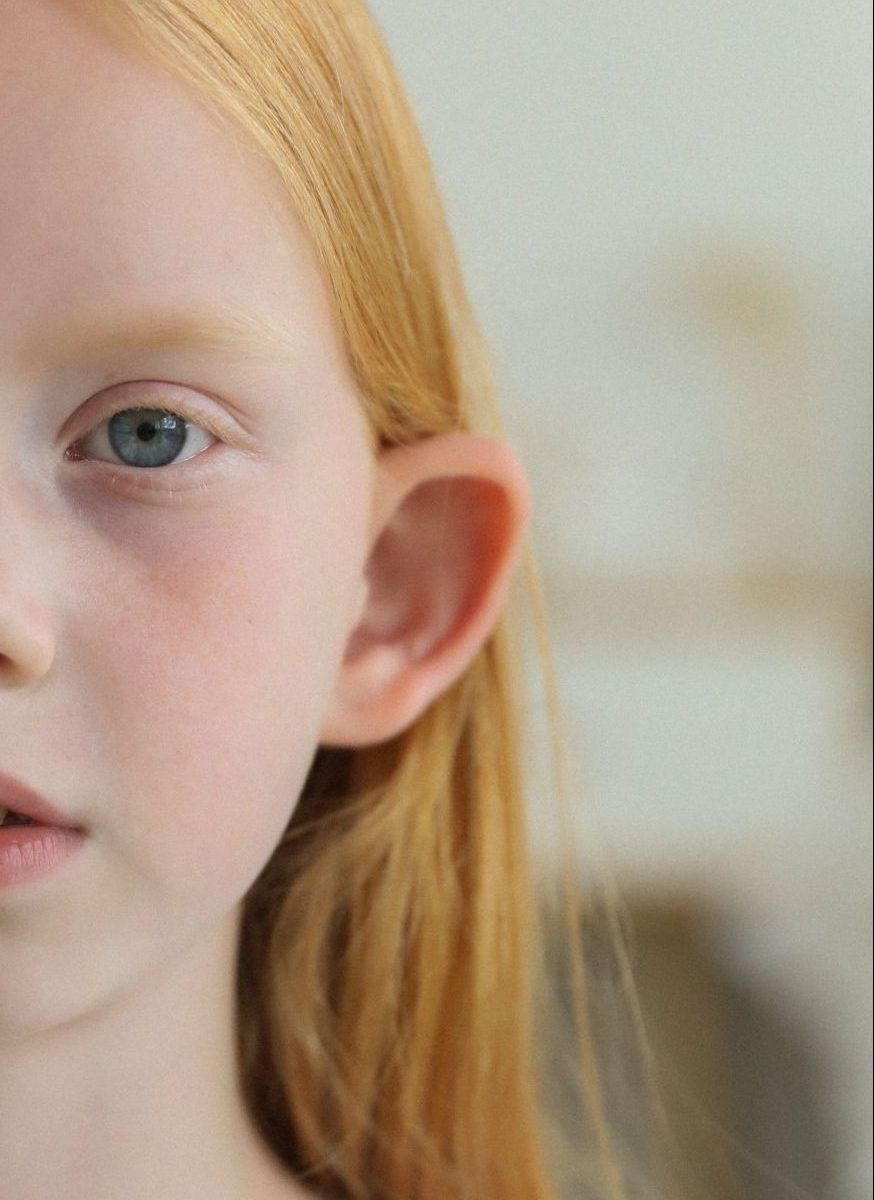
<point>209,657</point>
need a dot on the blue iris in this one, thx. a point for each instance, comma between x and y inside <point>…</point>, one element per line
<point>150,436</point>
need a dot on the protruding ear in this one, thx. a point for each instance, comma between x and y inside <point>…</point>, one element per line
<point>450,513</point>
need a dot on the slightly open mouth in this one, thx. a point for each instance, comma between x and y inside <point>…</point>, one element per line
<point>14,818</point>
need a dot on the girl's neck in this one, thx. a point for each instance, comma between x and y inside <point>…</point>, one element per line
<point>138,1098</point>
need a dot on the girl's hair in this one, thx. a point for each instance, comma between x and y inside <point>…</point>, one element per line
<point>390,948</point>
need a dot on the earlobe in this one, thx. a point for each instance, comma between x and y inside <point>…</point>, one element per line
<point>452,512</point>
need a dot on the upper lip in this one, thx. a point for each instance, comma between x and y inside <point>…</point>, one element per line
<point>28,803</point>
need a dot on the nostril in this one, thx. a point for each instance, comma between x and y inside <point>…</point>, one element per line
<point>10,671</point>
<point>32,664</point>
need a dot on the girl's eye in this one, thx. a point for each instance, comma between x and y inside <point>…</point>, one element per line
<point>144,437</point>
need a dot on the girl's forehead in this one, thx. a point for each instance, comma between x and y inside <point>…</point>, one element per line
<point>122,193</point>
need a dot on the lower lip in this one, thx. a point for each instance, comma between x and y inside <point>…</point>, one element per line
<point>30,852</point>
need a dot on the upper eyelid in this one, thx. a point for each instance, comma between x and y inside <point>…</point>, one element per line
<point>224,429</point>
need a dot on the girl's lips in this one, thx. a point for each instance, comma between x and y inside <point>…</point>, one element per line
<point>30,852</point>
<point>28,803</point>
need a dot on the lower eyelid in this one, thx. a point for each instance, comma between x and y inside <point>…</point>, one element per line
<point>160,485</point>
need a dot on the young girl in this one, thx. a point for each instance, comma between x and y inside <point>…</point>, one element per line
<point>273,934</point>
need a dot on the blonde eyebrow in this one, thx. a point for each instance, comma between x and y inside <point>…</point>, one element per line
<point>225,327</point>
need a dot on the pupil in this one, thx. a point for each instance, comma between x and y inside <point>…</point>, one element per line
<point>146,431</point>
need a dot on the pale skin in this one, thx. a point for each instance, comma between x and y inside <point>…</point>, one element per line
<point>177,641</point>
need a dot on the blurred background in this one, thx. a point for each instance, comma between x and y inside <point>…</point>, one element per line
<point>664,215</point>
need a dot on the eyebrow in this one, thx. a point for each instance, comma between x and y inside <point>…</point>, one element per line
<point>223,327</point>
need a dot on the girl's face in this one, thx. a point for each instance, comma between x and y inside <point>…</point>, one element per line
<point>169,634</point>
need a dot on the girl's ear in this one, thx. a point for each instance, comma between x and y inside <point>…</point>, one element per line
<point>450,513</point>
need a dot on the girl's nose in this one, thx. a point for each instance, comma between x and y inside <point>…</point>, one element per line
<point>27,644</point>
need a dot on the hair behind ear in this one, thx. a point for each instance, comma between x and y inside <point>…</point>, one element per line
<point>423,1056</point>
